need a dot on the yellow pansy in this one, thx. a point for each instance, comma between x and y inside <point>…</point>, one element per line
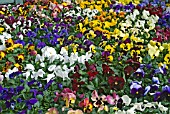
<point>110,58</point>
<point>125,37</point>
<point>92,48</point>
<point>2,29</point>
<point>135,53</point>
<point>109,48</point>
<point>17,46</point>
<point>20,58</point>
<point>153,51</point>
<point>115,108</point>
<point>102,44</point>
<point>74,47</point>
<point>86,21</point>
<point>98,7</point>
<point>71,37</point>
<point>9,43</point>
<point>91,34</point>
<point>114,22</point>
<point>116,33</point>
<point>81,28</point>
<point>167,58</point>
<point>126,47</point>
<point>18,66</point>
<point>107,25</point>
<point>2,55</point>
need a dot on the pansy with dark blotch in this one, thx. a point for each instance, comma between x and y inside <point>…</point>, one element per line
<point>139,73</point>
<point>136,89</point>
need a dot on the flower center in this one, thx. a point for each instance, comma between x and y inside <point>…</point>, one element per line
<point>116,83</point>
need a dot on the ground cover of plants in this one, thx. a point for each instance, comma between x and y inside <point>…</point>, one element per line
<point>85,56</point>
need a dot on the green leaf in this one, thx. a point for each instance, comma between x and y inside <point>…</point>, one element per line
<point>11,58</point>
<point>39,97</point>
<point>90,87</point>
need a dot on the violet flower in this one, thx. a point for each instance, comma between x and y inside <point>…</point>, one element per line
<point>20,42</point>
<point>41,45</point>
<point>48,84</point>
<point>139,73</point>
<point>136,89</point>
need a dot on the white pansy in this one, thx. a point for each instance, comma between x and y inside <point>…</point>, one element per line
<point>145,14</point>
<point>29,67</point>
<point>1,77</point>
<point>73,58</point>
<point>35,75</point>
<point>48,51</point>
<point>131,111</point>
<point>136,12</point>
<point>27,74</point>
<point>126,99</point>
<point>2,47</point>
<point>42,64</point>
<point>21,36</point>
<point>51,68</point>
<point>139,106</point>
<point>120,112</point>
<point>63,51</point>
<point>162,108</point>
<point>39,58</point>
<point>49,77</point>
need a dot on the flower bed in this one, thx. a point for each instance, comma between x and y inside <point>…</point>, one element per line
<point>85,56</point>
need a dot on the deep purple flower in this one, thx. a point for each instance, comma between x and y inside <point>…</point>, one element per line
<point>19,88</point>
<point>23,112</point>
<point>56,19</point>
<point>31,82</point>
<point>12,75</point>
<point>139,73</point>
<point>79,35</point>
<point>157,96</point>
<point>19,100</point>
<point>20,42</point>
<point>8,104</point>
<point>105,54</point>
<point>88,42</point>
<point>136,89</point>
<point>31,34</point>
<point>32,101</point>
<point>64,32</point>
<point>48,84</point>
<point>149,66</point>
<point>41,45</point>
<point>1,88</point>
<point>98,33</point>
<point>60,86</point>
<point>34,92</point>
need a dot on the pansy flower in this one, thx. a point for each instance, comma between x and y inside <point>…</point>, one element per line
<point>107,69</point>
<point>2,55</point>
<point>86,105</point>
<point>139,73</point>
<point>19,58</point>
<point>116,83</point>
<point>136,89</point>
<point>99,101</point>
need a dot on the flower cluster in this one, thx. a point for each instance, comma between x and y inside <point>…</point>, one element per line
<point>85,56</point>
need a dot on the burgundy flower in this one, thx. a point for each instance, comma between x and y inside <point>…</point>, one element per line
<point>128,70</point>
<point>107,69</point>
<point>76,84</point>
<point>116,83</point>
<point>92,74</point>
